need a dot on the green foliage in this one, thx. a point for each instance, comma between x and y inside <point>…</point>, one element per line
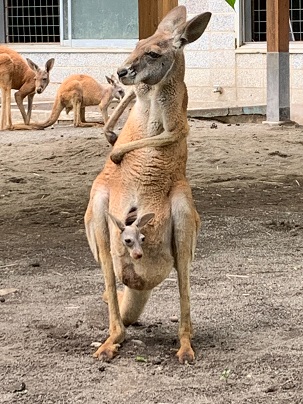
<point>231,3</point>
<point>225,375</point>
<point>141,359</point>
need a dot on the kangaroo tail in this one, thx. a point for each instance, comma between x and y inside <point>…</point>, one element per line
<point>132,303</point>
<point>56,111</point>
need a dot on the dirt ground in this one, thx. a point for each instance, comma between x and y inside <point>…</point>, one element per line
<point>246,279</point>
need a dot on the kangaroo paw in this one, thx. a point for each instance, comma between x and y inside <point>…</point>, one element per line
<point>111,137</point>
<point>106,352</point>
<point>186,355</point>
<point>116,157</point>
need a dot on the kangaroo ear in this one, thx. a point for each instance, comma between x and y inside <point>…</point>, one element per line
<point>142,221</point>
<point>109,80</point>
<point>192,30</point>
<point>49,64</point>
<point>173,19</point>
<point>117,222</point>
<point>32,65</point>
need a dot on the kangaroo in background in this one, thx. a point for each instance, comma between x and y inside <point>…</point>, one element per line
<point>118,111</point>
<point>26,77</point>
<point>79,91</point>
<point>146,172</point>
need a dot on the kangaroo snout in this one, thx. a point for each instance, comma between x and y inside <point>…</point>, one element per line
<point>122,72</point>
<point>126,75</point>
<point>136,255</point>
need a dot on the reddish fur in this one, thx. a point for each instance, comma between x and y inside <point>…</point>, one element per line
<point>16,74</point>
<point>150,176</point>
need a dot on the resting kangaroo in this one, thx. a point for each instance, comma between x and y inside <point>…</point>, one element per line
<point>79,91</point>
<point>151,177</point>
<point>26,77</point>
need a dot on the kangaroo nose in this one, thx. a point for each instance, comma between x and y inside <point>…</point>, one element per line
<point>121,73</point>
<point>137,255</point>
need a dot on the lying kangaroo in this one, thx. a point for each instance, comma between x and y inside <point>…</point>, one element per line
<point>26,77</point>
<point>79,91</point>
<point>151,177</point>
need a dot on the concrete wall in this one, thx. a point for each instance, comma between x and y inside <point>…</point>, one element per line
<point>211,61</point>
<point>241,71</point>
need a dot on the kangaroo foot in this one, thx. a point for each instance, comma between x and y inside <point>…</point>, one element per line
<point>88,124</point>
<point>106,352</point>
<point>22,126</point>
<point>186,355</point>
<point>6,126</point>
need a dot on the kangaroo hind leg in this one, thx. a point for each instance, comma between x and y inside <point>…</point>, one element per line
<point>6,67</point>
<point>6,119</point>
<point>98,238</point>
<point>77,111</point>
<point>186,224</point>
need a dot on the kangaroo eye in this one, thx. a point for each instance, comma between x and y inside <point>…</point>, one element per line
<point>128,241</point>
<point>142,238</point>
<point>153,55</point>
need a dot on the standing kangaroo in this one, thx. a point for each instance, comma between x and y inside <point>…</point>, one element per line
<point>151,177</point>
<point>26,77</point>
<point>79,91</point>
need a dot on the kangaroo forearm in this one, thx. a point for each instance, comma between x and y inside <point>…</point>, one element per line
<point>19,102</point>
<point>155,141</point>
<point>119,111</point>
<point>164,139</point>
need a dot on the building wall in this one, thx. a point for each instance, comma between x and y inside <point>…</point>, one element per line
<point>210,61</point>
<point>213,60</point>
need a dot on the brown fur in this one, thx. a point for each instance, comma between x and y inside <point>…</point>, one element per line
<point>150,177</point>
<point>79,91</point>
<point>26,77</point>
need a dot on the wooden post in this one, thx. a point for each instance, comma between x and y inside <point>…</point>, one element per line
<point>151,12</point>
<point>277,32</point>
<point>277,26</point>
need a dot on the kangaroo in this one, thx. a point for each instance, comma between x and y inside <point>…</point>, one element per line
<point>21,75</point>
<point>147,173</point>
<point>131,237</point>
<point>79,91</point>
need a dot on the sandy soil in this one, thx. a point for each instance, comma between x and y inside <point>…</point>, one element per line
<point>246,279</point>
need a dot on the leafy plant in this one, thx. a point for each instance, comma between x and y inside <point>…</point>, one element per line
<point>225,375</point>
<point>231,3</point>
<point>141,359</point>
